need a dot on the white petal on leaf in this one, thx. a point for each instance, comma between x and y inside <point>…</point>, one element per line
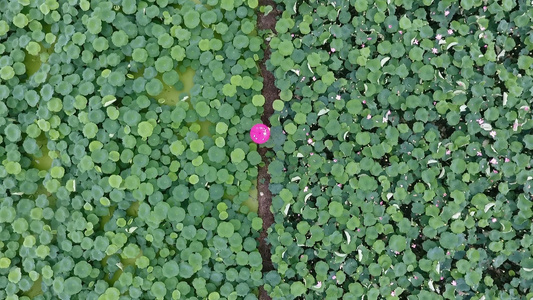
<point>348,237</point>
<point>340,254</point>
<point>323,111</point>
<point>500,55</point>
<point>505,96</point>
<point>384,60</point>
<point>307,197</point>
<point>451,45</point>
<point>110,102</point>
<point>486,126</point>
<point>286,210</point>
<point>431,287</point>
<point>442,173</point>
<point>488,206</point>
<point>295,178</point>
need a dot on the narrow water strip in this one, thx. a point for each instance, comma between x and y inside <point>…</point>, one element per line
<point>271,93</point>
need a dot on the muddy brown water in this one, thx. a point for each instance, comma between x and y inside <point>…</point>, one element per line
<point>271,93</point>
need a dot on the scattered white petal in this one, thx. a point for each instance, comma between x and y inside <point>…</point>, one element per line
<point>296,178</point>
<point>505,96</point>
<point>323,111</point>
<point>486,126</point>
<point>488,206</point>
<point>451,45</point>
<point>384,60</point>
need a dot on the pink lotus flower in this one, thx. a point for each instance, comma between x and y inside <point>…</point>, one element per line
<point>400,32</point>
<point>434,50</point>
<point>480,121</point>
<point>363,45</point>
<point>333,50</point>
<point>390,26</point>
<point>493,133</point>
<point>415,41</point>
<point>338,97</point>
<point>438,36</point>
<point>494,161</point>
<point>454,283</point>
<point>494,220</point>
<point>479,153</point>
<point>306,189</point>
<point>446,13</point>
<point>369,117</point>
<point>507,160</point>
<point>450,31</point>
<point>309,141</point>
